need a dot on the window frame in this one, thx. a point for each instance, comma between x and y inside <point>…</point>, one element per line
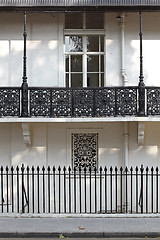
<point>84,33</point>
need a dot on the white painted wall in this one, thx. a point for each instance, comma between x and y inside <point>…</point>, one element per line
<point>43,51</point>
<point>51,146</point>
<point>45,66</point>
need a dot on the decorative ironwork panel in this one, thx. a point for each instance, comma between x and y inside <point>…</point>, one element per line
<point>83,103</point>
<point>105,102</point>
<point>126,101</point>
<point>9,102</point>
<point>40,102</point>
<point>61,103</point>
<point>153,101</point>
<point>85,150</point>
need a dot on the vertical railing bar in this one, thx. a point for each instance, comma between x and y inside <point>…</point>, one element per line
<point>131,170</point>
<point>2,187</point>
<point>100,191</point>
<point>32,189</point>
<point>152,169</point>
<point>85,189</point>
<point>49,209</point>
<point>43,174</point>
<point>90,189</point>
<point>116,169</point>
<point>22,172</point>
<point>54,188</point>
<point>64,174</point>
<point>126,170</point>
<point>111,169</point>
<point>12,181</point>
<point>147,190</point>
<point>95,180</point>
<point>74,189</point>
<point>105,171</point>
<point>121,187</point>
<point>7,186</point>
<point>38,205</point>
<point>17,169</point>
<point>157,189</point>
<point>136,189</point>
<point>59,174</point>
<point>69,172</point>
<point>28,186</point>
<point>80,191</point>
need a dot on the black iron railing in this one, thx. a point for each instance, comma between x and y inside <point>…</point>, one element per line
<point>79,102</point>
<point>66,190</point>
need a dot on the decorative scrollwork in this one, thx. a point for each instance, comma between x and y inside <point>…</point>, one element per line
<point>85,150</point>
<point>61,103</point>
<point>153,101</point>
<point>40,102</point>
<point>126,102</point>
<point>83,103</point>
<point>105,102</point>
<point>9,102</point>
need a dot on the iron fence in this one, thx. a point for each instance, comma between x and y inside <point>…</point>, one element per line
<point>66,190</point>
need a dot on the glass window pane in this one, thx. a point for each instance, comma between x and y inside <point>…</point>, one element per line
<point>92,43</point>
<point>67,80</point>
<point>93,80</point>
<point>93,63</point>
<point>76,80</point>
<point>102,63</point>
<point>74,21</point>
<point>94,21</point>
<point>67,63</point>
<point>76,44</point>
<point>76,63</point>
<point>102,44</point>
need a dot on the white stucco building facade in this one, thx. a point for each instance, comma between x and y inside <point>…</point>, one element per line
<point>71,48</point>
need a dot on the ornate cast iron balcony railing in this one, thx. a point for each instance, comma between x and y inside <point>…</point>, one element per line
<point>78,102</point>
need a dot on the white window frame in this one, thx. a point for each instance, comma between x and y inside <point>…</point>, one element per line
<point>84,33</point>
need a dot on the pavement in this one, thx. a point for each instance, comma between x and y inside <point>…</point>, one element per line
<point>79,227</point>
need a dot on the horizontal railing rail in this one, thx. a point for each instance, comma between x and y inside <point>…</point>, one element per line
<point>79,102</point>
<point>66,190</point>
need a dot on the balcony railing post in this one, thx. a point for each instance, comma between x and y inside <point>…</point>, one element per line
<point>141,89</point>
<point>24,84</point>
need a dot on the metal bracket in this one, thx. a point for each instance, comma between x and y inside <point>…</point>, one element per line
<point>141,127</point>
<point>26,133</point>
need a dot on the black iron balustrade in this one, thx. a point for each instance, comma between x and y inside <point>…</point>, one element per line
<point>78,102</point>
<point>79,190</point>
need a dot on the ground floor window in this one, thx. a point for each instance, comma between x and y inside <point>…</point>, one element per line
<point>85,150</point>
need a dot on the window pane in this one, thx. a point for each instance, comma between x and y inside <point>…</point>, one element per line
<point>76,63</point>
<point>92,43</point>
<point>74,21</point>
<point>67,63</point>
<point>102,63</point>
<point>67,80</point>
<point>76,80</point>
<point>76,44</point>
<point>94,21</point>
<point>93,80</point>
<point>102,44</point>
<point>93,63</point>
